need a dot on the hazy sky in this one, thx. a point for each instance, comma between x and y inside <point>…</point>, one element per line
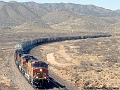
<point>108,4</point>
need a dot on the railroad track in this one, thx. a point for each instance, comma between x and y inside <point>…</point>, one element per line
<point>28,45</point>
<point>53,84</point>
<point>58,85</point>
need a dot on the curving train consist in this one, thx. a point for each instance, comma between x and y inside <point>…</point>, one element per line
<point>35,70</point>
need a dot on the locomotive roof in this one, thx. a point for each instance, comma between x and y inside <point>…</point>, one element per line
<point>34,60</point>
<point>21,52</point>
<point>30,58</point>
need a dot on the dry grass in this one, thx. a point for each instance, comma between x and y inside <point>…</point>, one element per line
<point>89,62</point>
<point>8,39</point>
<point>81,59</point>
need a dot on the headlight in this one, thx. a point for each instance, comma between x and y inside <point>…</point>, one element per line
<point>40,70</point>
<point>37,77</point>
<point>44,77</point>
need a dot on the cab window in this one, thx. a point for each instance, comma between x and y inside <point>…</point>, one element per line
<point>36,65</point>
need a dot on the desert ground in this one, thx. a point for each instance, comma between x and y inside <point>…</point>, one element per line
<point>84,63</point>
<point>10,77</point>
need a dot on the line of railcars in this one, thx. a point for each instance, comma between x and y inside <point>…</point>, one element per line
<point>35,70</point>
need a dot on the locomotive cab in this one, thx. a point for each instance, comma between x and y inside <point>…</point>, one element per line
<point>38,72</point>
<point>25,58</point>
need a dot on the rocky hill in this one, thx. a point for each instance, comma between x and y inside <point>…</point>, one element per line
<point>81,9</point>
<point>56,14</point>
<point>34,25</point>
<point>89,23</point>
<point>59,16</point>
<point>15,13</point>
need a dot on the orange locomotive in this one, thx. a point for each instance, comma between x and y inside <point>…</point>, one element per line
<point>36,71</point>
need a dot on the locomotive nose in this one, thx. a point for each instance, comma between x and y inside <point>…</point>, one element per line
<point>39,73</point>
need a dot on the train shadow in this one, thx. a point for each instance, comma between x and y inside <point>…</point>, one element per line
<point>52,85</point>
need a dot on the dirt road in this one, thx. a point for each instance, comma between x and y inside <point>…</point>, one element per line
<point>17,77</point>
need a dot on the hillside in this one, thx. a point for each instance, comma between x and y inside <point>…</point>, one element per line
<point>89,23</point>
<point>81,9</point>
<point>56,15</point>
<point>15,13</point>
<point>34,25</point>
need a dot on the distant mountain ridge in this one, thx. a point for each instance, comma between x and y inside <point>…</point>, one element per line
<point>82,9</point>
<point>22,13</point>
<point>76,8</point>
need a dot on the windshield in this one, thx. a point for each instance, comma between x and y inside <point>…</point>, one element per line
<point>38,64</point>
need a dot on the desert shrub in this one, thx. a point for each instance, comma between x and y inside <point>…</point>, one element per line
<point>86,65</point>
<point>2,84</point>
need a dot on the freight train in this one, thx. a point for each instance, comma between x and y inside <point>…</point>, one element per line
<point>35,70</point>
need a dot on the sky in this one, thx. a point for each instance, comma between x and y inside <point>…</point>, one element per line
<point>108,4</point>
